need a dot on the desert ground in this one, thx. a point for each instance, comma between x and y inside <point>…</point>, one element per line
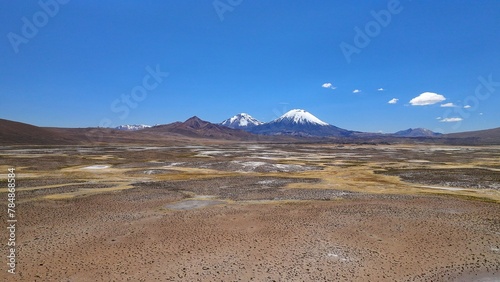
<point>254,212</point>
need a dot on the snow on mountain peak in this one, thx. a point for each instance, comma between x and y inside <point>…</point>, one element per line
<point>130,127</point>
<point>300,116</point>
<point>241,120</point>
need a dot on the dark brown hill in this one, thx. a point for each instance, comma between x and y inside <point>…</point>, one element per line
<point>17,133</point>
<point>487,136</point>
<point>13,132</point>
<point>197,128</point>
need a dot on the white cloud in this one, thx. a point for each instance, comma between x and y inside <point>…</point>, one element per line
<point>427,98</point>
<point>356,91</point>
<point>393,101</point>
<point>328,85</point>
<point>380,89</point>
<point>448,105</point>
<point>438,118</point>
<point>455,119</point>
<point>467,106</point>
<point>480,114</point>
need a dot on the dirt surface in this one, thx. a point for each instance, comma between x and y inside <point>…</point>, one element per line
<point>255,212</point>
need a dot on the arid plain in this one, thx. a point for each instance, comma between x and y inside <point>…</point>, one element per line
<point>255,212</point>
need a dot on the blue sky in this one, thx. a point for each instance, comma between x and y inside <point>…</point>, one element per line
<point>74,63</point>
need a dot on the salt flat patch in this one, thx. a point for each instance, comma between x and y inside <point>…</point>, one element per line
<point>269,158</point>
<point>252,164</point>
<point>418,161</point>
<point>212,153</point>
<point>441,149</point>
<point>174,164</point>
<point>101,157</point>
<point>255,147</point>
<point>155,171</point>
<point>194,147</point>
<point>203,197</point>
<point>138,149</point>
<point>288,167</point>
<point>96,167</point>
<point>444,188</point>
<point>336,256</point>
<point>194,204</point>
<point>266,182</point>
<point>208,154</point>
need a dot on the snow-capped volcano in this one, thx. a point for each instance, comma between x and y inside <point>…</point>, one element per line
<point>299,123</point>
<point>241,121</point>
<point>299,116</point>
<point>131,127</point>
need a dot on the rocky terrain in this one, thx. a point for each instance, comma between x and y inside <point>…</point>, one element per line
<point>255,212</point>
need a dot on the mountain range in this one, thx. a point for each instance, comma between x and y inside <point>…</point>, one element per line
<point>295,125</point>
<point>296,122</point>
<point>197,128</point>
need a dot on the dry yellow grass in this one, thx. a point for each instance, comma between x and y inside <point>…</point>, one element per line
<point>361,178</point>
<point>86,192</point>
<point>338,172</point>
